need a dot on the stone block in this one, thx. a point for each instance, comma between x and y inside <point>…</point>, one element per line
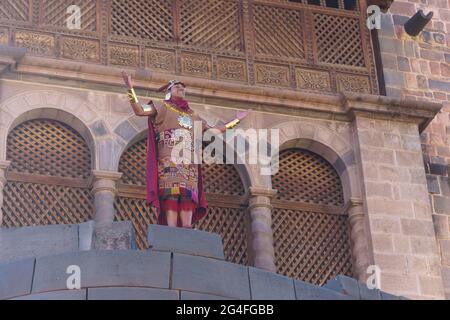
<point>125,130</point>
<point>306,291</point>
<point>388,296</point>
<point>433,184</point>
<point>366,293</point>
<point>16,278</point>
<point>212,276</point>
<point>187,295</point>
<point>56,295</point>
<point>128,293</point>
<point>114,236</point>
<point>270,286</point>
<point>344,285</point>
<point>36,241</point>
<point>104,268</point>
<point>181,240</point>
<point>85,233</point>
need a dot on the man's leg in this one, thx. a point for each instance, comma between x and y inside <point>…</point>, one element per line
<point>172,218</point>
<point>170,206</point>
<point>186,209</point>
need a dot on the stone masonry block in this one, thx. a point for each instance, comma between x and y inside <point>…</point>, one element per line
<point>307,291</point>
<point>366,293</point>
<point>128,293</point>
<point>56,295</point>
<point>104,268</point>
<point>181,240</point>
<point>270,286</point>
<point>36,241</point>
<point>210,276</point>
<point>114,236</point>
<point>16,278</point>
<point>345,285</point>
<point>186,295</point>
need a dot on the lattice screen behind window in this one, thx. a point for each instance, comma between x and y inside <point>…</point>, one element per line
<point>224,193</point>
<point>151,20</point>
<point>310,228</point>
<point>55,13</point>
<point>15,10</point>
<point>47,181</point>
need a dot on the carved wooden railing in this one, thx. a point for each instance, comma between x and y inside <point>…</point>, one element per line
<point>288,44</point>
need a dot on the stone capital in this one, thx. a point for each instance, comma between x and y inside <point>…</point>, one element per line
<point>4,164</point>
<point>262,191</point>
<point>104,181</point>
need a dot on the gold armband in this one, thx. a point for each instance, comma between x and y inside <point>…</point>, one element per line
<point>148,107</point>
<point>132,96</point>
<point>232,124</point>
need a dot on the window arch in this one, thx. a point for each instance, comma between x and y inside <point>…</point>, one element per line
<point>48,181</point>
<point>310,225</point>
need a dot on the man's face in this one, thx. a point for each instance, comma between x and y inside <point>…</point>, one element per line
<point>178,91</point>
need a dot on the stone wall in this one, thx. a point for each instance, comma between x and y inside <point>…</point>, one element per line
<point>401,227</point>
<point>418,68</point>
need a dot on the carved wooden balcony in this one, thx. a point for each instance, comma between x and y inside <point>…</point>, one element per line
<point>303,45</point>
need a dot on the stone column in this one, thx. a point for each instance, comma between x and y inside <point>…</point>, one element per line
<point>261,237</point>
<point>359,238</point>
<point>4,164</point>
<point>104,190</point>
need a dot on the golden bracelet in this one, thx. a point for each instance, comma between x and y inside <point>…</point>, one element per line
<point>132,96</point>
<point>232,124</point>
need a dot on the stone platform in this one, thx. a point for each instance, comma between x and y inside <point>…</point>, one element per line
<point>179,264</point>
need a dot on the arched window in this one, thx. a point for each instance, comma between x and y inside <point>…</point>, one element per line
<point>311,230</point>
<point>48,179</point>
<point>224,194</point>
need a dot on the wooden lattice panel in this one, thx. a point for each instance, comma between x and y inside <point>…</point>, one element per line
<point>311,246</point>
<point>136,211</point>
<point>133,164</point>
<point>306,177</point>
<point>55,13</point>
<point>150,19</point>
<point>15,10</point>
<point>222,179</point>
<point>30,204</point>
<point>336,4</point>
<point>338,40</point>
<point>49,148</point>
<point>211,23</point>
<point>278,31</point>
<point>229,223</point>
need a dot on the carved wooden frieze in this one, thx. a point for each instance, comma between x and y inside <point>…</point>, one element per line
<point>80,49</point>
<point>36,43</point>
<point>347,82</point>
<point>160,60</point>
<point>313,79</point>
<point>198,65</point>
<point>231,69</point>
<point>123,55</point>
<point>272,75</point>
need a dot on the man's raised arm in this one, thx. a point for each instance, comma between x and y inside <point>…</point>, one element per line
<point>139,110</point>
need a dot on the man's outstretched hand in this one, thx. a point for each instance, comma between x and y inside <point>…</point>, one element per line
<point>127,79</point>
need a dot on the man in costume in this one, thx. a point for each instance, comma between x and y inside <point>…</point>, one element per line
<point>174,189</point>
